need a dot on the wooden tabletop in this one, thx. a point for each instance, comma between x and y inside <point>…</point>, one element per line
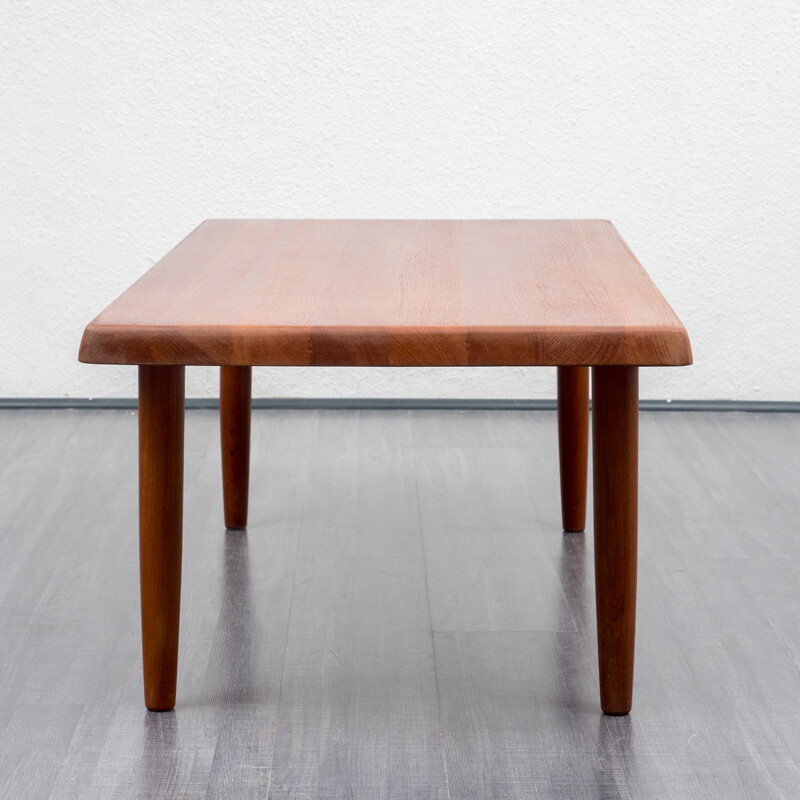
<point>393,293</point>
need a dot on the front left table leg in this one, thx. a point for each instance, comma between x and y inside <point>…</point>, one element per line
<point>615,442</point>
<point>161,417</point>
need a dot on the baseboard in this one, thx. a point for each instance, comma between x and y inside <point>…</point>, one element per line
<point>402,403</point>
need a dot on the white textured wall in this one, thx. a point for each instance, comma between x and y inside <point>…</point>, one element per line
<point>124,125</point>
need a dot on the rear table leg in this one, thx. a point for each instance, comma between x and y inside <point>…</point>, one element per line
<point>573,444</point>
<point>234,418</point>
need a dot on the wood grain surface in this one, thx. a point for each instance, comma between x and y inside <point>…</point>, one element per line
<point>393,293</point>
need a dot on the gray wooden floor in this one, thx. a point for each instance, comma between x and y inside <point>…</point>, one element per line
<point>404,617</point>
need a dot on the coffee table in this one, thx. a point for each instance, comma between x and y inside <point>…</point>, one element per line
<point>243,293</point>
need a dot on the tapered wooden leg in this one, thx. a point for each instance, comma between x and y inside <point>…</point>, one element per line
<point>615,440</point>
<point>234,418</point>
<point>573,444</point>
<point>161,400</point>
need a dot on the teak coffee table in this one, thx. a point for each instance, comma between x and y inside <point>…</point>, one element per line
<point>243,293</point>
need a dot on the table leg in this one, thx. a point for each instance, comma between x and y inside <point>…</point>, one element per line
<point>161,401</point>
<point>234,418</point>
<point>615,426</point>
<point>573,444</point>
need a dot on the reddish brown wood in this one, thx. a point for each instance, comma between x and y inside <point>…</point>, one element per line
<point>573,444</point>
<point>615,440</point>
<point>161,401</point>
<point>392,293</point>
<point>239,293</point>
<point>234,419</point>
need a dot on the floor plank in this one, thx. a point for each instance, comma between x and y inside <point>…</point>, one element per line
<point>358,707</point>
<point>404,617</point>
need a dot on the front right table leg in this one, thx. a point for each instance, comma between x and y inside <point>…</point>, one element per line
<point>615,441</point>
